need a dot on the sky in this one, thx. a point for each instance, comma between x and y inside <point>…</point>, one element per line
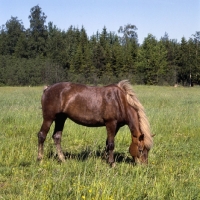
<point>177,18</point>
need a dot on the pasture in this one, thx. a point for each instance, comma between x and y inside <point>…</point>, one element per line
<point>173,171</point>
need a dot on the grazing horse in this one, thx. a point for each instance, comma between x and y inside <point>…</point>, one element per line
<point>112,106</point>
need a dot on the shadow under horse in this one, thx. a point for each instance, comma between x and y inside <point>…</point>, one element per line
<point>88,153</point>
<point>112,106</point>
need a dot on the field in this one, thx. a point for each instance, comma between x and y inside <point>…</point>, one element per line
<point>173,171</point>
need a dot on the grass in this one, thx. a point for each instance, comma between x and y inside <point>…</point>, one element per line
<point>173,169</point>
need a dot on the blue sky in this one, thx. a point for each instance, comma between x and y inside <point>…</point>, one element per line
<point>178,18</point>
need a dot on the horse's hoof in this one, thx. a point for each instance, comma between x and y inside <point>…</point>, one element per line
<point>39,159</point>
<point>112,165</point>
<point>62,160</point>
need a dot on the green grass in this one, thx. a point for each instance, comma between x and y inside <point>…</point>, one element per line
<point>172,173</point>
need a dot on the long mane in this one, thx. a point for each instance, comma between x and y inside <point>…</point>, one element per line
<point>135,103</point>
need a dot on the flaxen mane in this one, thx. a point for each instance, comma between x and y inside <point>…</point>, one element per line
<point>143,121</point>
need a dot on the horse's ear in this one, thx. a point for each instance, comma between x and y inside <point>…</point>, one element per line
<point>141,137</point>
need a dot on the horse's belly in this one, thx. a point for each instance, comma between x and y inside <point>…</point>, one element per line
<point>88,120</point>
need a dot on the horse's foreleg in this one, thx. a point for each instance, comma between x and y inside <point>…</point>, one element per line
<point>59,124</point>
<point>41,138</point>
<point>110,145</point>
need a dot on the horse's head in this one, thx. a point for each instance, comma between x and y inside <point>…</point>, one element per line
<point>138,150</point>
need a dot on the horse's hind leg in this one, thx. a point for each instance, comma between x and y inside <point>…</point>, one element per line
<point>42,136</point>
<point>57,134</point>
<point>111,132</point>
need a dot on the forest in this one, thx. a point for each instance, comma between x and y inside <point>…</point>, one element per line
<point>45,54</point>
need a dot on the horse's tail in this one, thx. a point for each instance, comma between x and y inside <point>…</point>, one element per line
<point>135,103</point>
<point>45,87</point>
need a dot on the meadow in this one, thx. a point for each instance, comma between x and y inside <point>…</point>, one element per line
<point>173,171</point>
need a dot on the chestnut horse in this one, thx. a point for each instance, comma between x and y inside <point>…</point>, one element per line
<point>112,106</point>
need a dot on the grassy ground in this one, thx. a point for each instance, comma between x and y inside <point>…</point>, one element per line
<point>172,173</point>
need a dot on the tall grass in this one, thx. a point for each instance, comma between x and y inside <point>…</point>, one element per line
<point>172,173</point>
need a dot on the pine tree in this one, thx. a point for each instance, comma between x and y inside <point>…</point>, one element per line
<point>37,32</point>
<point>10,34</point>
<point>152,60</point>
<point>183,61</point>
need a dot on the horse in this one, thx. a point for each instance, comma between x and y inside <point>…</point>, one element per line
<point>112,106</point>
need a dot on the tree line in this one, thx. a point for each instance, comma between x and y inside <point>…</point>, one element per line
<point>45,54</point>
